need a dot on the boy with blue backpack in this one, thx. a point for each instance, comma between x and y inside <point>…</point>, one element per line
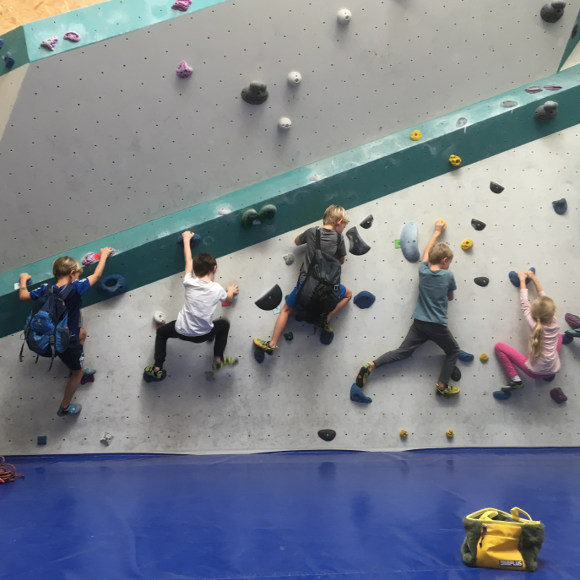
<point>53,327</point>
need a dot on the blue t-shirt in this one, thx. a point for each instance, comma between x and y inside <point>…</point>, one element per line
<point>434,287</point>
<point>72,302</point>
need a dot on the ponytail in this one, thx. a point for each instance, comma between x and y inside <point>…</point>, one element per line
<point>537,341</point>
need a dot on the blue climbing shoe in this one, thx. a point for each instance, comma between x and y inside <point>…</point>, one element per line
<point>357,396</point>
<point>70,410</point>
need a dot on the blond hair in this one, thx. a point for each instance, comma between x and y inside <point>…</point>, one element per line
<point>64,266</point>
<point>440,251</point>
<point>334,214</point>
<point>542,310</point>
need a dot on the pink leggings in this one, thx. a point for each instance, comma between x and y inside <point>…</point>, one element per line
<point>510,358</point>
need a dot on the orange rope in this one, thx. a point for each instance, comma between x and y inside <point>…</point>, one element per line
<point>7,472</point>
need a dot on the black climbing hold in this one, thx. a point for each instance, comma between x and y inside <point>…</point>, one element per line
<point>357,246</point>
<point>248,218</point>
<point>267,213</point>
<point>327,434</point>
<point>255,94</point>
<point>289,335</point>
<point>461,122</point>
<point>367,222</point>
<point>364,299</point>
<point>552,12</point>
<point>326,337</point>
<point>560,206</point>
<point>547,111</point>
<point>271,299</point>
<point>289,259</point>
<point>481,281</point>
<point>259,355</point>
<point>455,374</point>
<point>509,104</point>
<point>495,187</point>
<point>574,30</point>
<point>193,242</point>
<point>478,225</point>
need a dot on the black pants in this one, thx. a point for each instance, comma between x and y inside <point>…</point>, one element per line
<point>419,333</point>
<point>219,331</point>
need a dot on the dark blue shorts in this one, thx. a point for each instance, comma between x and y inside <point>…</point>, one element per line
<point>73,357</point>
<point>291,300</point>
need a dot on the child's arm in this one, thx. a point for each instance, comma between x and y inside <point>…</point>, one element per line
<point>23,293</point>
<point>187,236</point>
<point>96,275</point>
<point>534,280</point>
<point>440,226</point>
<point>298,241</point>
<point>232,290</point>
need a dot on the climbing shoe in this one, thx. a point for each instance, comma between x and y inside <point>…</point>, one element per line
<point>512,386</point>
<point>70,410</point>
<point>150,374</point>
<point>448,390</point>
<point>363,375</point>
<point>574,333</point>
<point>263,344</point>
<point>327,327</point>
<point>228,361</point>
<point>88,376</point>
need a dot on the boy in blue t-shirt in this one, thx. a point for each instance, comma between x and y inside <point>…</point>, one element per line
<point>436,286</point>
<point>66,271</point>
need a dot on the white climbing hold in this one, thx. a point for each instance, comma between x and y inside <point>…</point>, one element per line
<point>294,77</point>
<point>344,16</point>
<point>284,123</point>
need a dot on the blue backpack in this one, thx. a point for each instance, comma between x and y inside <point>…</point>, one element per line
<point>46,330</point>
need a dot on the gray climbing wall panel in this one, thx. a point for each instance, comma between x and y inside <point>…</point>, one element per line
<point>282,403</point>
<point>107,137</point>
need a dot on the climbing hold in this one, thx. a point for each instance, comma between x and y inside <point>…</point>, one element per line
<point>106,438</point>
<point>502,395</point>
<point>72,36</point>
<point>465,356</point>
<point>112,285</point>
<point>259,355</point>
<point>567,339</point>
<point>550,378</point>
<point>466,244</point>
<point>496,187</point>
<point>160,317</point>
<point>289,336</point>
<point>560,206</point>
<point>271,299</point>
<point>553,87</point>
<point>357,246</point>
<point>249,217</point>
<point>509,104</point>
<point>455,374</point>
<point>403,434</point>
<point>449,433</point>
<point>572,320</point>
<point>558,395</point>
<point>90,257</point>
<point>483,357</point>
<point>8,60</point>
<point>552,12</point>
<point>326,337</point>
<point>547,111</point>
<point>327,434</point>
<point>1,42</point>
<point>289,259</point>
<point>267,213</point>
<point>193,242</point>
<point>408,242</point>
<point>284,123</point>
<point>367,222</point>
<point>181,5</point>
<point>255,94</point>
<point>534,89</point>
<point>41,440</point>
<point>294,77</point>
<point>515,279</point>
<point>364,299</point>
<point>49,43</point>
<point>357,396</point>
<point>461,122</point>
<point>415,135</point>
<point>478,225</point>
<point>482,281</point>
<point>455,160</point>
<point>344,16</point>
<point>574,30</point>
<point>183,70</point>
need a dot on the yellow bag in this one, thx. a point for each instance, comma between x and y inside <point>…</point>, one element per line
<point>497,539</point>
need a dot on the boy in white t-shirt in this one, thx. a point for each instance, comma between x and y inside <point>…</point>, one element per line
<point>194,321</point>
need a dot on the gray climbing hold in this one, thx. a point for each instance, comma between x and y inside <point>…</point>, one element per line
<point>496,187</point>
<point>547,111</point>
<point>367,222</point>
<point>478,225</point>
<point>255,94</point>
<point>271,299</point>
<point>481,281</point>
<point>327,434</point>
<point>289,259</point>
<point>560,206</point>
<point>357,246</point>
<point>461,122</point>
<point>364,299</point>
<point>552,12</point>
<point>409,243</point>
<point>267,213</point>
<point>509,104</point>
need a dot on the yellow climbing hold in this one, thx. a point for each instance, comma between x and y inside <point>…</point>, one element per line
<point>483,357</point>
<point>455,160</point>
<point>449,433</point>
<point>403,434</point>
<point>415,135</point>
<point>466,244</point>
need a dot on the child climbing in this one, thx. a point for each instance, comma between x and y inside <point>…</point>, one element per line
<point>331,242</point>
<point>436,287</point>
<point>66,271</point>
<point>194,321</point>
<point>545,340</point>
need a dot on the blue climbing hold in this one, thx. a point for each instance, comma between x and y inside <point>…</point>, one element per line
<point>465,356</point>
<point>112,285</point>
<point>8,60</point>
<point>501,395</point>
<point>567,339</point>
<point>364,299</point>
<point>560,206</point>
<point>514,279</point>
<point>357,396</point>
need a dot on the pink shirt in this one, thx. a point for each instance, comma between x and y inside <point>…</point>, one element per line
<point>548,362</point>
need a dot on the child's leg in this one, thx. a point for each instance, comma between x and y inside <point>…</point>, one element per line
<point>222,328</point>
<point>442,337</point>
<point>73,358</point>
<point>82,335</point>
<point>509,358</point>
<point>280,325</point>
<point>163,334</point>
<point>412,341</point>
<point>345,296</point>
<point>71,386</point>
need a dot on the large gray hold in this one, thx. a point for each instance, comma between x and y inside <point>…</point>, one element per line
<point>367,222</point>
<point>255,94</point>
<point>357,246</point>
<point>547,111</point>
<point>552,12</point>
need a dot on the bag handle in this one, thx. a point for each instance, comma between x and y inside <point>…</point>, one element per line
<point>516,511</point>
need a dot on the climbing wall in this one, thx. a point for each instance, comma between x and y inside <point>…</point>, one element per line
<point>106,137</point>
<point>282,403</point>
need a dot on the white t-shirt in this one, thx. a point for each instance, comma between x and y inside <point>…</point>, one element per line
<point>201,300</point>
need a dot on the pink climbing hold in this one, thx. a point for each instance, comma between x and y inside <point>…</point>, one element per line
<point>49,43</point>
<point>72,36</point>
<point>181,5</point>
<point>534,89</point>
<point>184,70</point>
<point>553,87</point>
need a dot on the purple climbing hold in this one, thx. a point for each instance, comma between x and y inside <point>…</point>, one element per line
<point>560,206</point>
<point>496,187</point>
<point>49,43</point>
<point>364,299</point>
<point>509,104</point>
<point>553,87</point>
<point>534,89</point>
<point>181,5</point>
<point>184,70</point>
<point>572,320</point>
<point>8,60</point>
<point>558,395</point>
<point>72,36</point>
